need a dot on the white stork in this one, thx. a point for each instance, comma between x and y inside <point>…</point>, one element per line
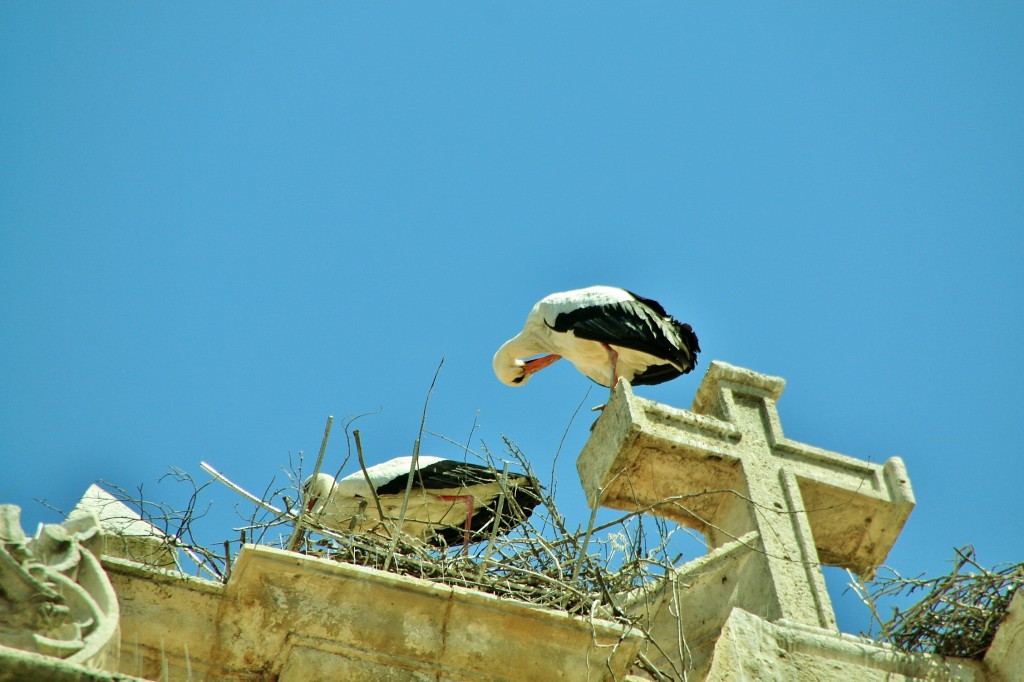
<point>450,503</point>
<point>606,332</point>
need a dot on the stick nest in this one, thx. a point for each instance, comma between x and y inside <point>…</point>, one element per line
<point>542,562</point>
<point>959,613</point>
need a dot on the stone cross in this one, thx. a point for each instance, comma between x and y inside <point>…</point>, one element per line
<point>726,470</point>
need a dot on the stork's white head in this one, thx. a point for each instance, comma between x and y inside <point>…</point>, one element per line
<point>316,490</point>
<point>510,371</point>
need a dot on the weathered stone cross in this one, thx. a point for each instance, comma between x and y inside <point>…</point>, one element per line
<point>726,470</point>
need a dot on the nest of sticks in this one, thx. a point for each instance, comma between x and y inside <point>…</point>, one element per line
<point>582,571</point>
<point>959,613</point>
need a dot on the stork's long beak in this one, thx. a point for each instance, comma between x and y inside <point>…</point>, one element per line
<point>537,364</point>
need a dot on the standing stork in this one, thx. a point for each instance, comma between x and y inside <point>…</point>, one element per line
<point>450,503</point>
<point>606,332</point>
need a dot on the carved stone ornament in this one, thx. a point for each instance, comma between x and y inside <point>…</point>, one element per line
<point>55,598</point>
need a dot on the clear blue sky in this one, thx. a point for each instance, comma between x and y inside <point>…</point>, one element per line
<point>221,223</point>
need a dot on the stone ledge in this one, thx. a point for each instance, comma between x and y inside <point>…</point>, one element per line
<point>286,616</point>
<point>754,649</point>
<point>18,666</point>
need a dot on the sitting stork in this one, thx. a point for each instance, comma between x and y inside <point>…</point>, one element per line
<point>450,503</point>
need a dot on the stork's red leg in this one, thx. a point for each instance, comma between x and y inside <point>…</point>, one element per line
<point>613,357</point>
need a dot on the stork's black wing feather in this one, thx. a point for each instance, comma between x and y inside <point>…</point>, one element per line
<point>641,325</point>
<point>650,303</point>
<point>439,475</point>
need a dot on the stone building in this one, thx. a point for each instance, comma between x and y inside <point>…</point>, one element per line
<point>754,607</point>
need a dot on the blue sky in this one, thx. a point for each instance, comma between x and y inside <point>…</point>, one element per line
<point>220,224</point>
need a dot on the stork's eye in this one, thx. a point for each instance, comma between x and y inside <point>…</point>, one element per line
<point>518,380</point>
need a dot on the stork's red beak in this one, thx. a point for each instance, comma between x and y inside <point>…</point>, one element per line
<point>537,364</point>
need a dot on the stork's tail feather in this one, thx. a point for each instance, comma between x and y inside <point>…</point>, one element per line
<point>690,346</point>
<point>689,339</point>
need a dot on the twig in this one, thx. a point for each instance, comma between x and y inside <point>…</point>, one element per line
<point>369,483</point>
<point>243,492</point>
<point>499,507</point>
<point>299,533</point>
<point>586,539</point>
<point>346,424</point>
<point>413,467</point>
<point>565,434</point>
